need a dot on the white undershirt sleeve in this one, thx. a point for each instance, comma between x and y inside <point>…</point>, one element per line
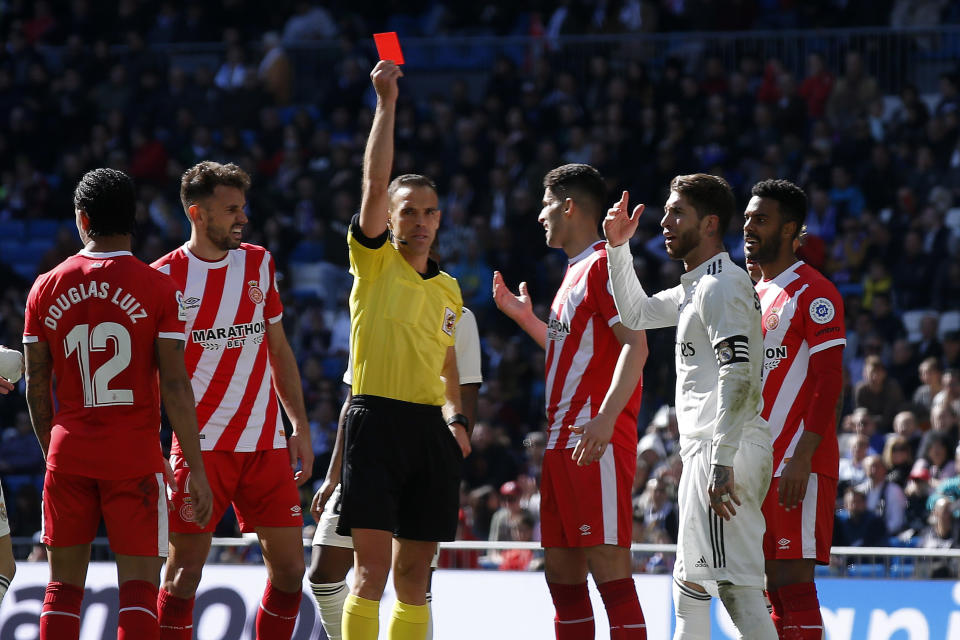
<point>638,310</point>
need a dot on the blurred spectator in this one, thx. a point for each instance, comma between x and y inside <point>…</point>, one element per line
<point>853,91</point>
<point>898,459</point>
<point>905,427</point>
<point>878,394</point>
<point>949,394</point>
<point>659,509</point>
<point>852,471</point>
<point>816,86</point>
<point>501,526</point>
<point>884,498</point>
<point>936,456</point>
<point>274,71</point>
<point>942,533</point>
<point>855,525</point>
<point>310,21</point>
<point>521,526</point>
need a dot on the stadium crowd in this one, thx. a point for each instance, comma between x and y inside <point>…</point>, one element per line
<point>82,86</point>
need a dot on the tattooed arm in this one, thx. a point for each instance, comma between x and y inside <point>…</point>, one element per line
<point>39,391</point>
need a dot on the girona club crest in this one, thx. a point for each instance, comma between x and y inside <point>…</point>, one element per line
<point>255,293</point>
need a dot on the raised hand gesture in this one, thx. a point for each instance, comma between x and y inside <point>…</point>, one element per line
<point>619,226</point>
<point>515,307</point>
<point>384,77</point>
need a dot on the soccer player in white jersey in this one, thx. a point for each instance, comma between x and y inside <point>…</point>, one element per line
<point>239,362</point>
<point>593,387</point>
<point>803,341</point>
<point>332,554</point>
<point>724,443</point>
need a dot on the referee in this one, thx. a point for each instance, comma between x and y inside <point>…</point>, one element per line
<point>403,459</point>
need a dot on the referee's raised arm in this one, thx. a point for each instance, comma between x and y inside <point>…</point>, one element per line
<point>378,157</point>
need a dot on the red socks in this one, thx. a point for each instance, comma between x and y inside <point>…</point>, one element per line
<point>777,614</point>
<point>801,619</point>
<point>277,615</point>
<point>138,611</point>
<point>574,619</point>
<point>60,616</point>
<point>623,610</point>
<point>175,616</point>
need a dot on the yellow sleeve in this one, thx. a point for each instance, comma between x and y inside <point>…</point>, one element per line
<point>367,255</point>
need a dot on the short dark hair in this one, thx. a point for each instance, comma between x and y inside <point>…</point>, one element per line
<point>709,195</point>
<point>109,199</point>
<point>410,180</point>
<point>789,197</point>
<point>200,180</point>
<point>581,183</point>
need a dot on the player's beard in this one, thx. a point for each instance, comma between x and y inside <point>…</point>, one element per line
<point>222,240</point>
<point>765,250</point>
<point>683,244</point>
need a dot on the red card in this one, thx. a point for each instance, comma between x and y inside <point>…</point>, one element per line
<point>388,46</point>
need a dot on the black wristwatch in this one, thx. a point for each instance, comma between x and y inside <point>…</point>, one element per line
<point>461,419</point>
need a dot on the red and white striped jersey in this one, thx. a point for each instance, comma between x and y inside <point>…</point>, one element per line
<point>802,314</point>
<point>582,353</point>
<point>229,304</point>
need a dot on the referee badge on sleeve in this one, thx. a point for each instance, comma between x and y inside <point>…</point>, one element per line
<point>449,319</point>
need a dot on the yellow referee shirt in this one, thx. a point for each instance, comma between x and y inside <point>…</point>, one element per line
<point>401,322</point>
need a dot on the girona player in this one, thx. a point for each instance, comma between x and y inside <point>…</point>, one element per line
<point>239,361</point>
<point>802,377</point>
<point>593,367</point>
<point>103,325</point>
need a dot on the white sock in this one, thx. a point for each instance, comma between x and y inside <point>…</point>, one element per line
<point>748,611</point>
<point>693,613</point>
<point>330,598</point>
<point>4,585</point>
<point>429,635</point>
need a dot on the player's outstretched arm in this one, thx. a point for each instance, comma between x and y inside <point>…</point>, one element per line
<point>178,400</point>
<point>286,379</point>
<point>626,376</point>
<point>453,404</point>
<point>378,156</point>
<point>333,469</point>
<point>39,368</point>
<point>519,308</point>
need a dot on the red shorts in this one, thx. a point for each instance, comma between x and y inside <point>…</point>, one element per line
<point>804,532</point>
<point>133,509</point>
<point>260,485</point>
<point>587,506</point>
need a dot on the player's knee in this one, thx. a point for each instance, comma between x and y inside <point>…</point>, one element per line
<point>183,581</point>
<point>288,574</point>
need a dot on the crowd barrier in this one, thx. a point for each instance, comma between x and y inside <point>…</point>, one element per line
<point>481,605</point>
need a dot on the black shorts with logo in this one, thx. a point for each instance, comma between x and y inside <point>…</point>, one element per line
<point>401,470</point>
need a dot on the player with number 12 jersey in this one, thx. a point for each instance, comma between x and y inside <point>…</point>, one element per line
<point>101,314</point>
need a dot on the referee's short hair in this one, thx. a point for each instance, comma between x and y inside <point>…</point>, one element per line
<point>789,197</point>
<point>109,199</point>
<point>581,183</point>
<point>409,180</point>
<point>710,196</point>
<point>200,181</point>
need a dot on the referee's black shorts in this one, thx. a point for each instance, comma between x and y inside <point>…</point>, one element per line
<point>401,470</point>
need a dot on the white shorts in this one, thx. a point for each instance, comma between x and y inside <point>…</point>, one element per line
<point>711,549</point>
<point>4,521</point>
<point>326,533</point>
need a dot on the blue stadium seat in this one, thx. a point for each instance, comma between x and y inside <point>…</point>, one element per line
<point>12,229</point>
<point>43,228</point>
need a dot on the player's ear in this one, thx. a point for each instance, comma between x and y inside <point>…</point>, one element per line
<point>569,206</point>
<point>193,212</point>
<point>83,219</point>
